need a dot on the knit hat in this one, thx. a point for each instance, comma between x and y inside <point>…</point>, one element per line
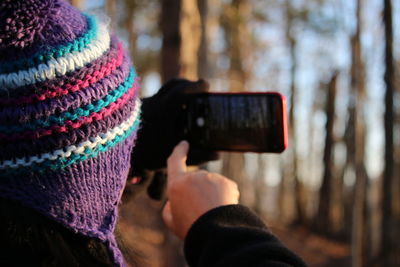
<point>69,112</point>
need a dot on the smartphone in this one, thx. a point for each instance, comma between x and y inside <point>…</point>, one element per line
<point>242,122</point>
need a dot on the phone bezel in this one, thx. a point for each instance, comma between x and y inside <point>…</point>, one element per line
<point>283,112</point>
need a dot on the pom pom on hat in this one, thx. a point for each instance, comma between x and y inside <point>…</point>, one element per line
<point>28,26</point>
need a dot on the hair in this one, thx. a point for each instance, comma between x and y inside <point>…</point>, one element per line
<point>28,238</point>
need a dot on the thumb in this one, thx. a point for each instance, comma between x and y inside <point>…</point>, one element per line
<point>176,163</point>
<point>167,215</point>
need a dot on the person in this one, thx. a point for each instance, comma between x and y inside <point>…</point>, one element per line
<point>69,118</point>
<point>202,207</point>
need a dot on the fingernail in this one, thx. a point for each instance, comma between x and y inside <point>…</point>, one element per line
<point>183,142</point>
<point>135,180</point>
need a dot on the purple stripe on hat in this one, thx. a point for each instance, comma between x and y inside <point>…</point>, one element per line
<point>83,196</point>
<point>28,26</point>
<point>14,115</point>
<point>73,136</point>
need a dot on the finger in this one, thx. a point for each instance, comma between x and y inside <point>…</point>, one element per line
<point>176,164</point>
<point>167,215</point>
<point>201,86</point>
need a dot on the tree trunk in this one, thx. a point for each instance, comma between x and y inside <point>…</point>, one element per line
<point>181,30</point>
<point>170,51</point>
<point>77,3</point>
<point>298,187</point>
<point>388,252</point>
<point>130,9</point>
<point>203,67</point>
<point>110,11</point>
<point>324,223</point>
<point>349,165</point>
<point>190,29</point>
<point>234,22</point>
<point>360,188</point>
<point>396,177</point>
<point>259,185</point>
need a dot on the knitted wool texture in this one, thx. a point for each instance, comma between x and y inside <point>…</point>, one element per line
<point>69,113</point>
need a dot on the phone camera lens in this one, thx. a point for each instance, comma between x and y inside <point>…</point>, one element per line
<point>200,121</point>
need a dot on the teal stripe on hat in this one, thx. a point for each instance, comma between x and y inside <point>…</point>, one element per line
<point>74,158</point>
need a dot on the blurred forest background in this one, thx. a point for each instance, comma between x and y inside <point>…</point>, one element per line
<point>334,195</point>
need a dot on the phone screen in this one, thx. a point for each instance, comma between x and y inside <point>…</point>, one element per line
<point>236,121</point>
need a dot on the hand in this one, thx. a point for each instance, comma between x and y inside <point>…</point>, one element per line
<point>160,129</point>
<point>192,194</point>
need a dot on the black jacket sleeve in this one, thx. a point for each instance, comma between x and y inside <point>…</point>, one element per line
<point>234,236</point>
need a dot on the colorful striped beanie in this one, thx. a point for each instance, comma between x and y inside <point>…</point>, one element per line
<point>69,113</point>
